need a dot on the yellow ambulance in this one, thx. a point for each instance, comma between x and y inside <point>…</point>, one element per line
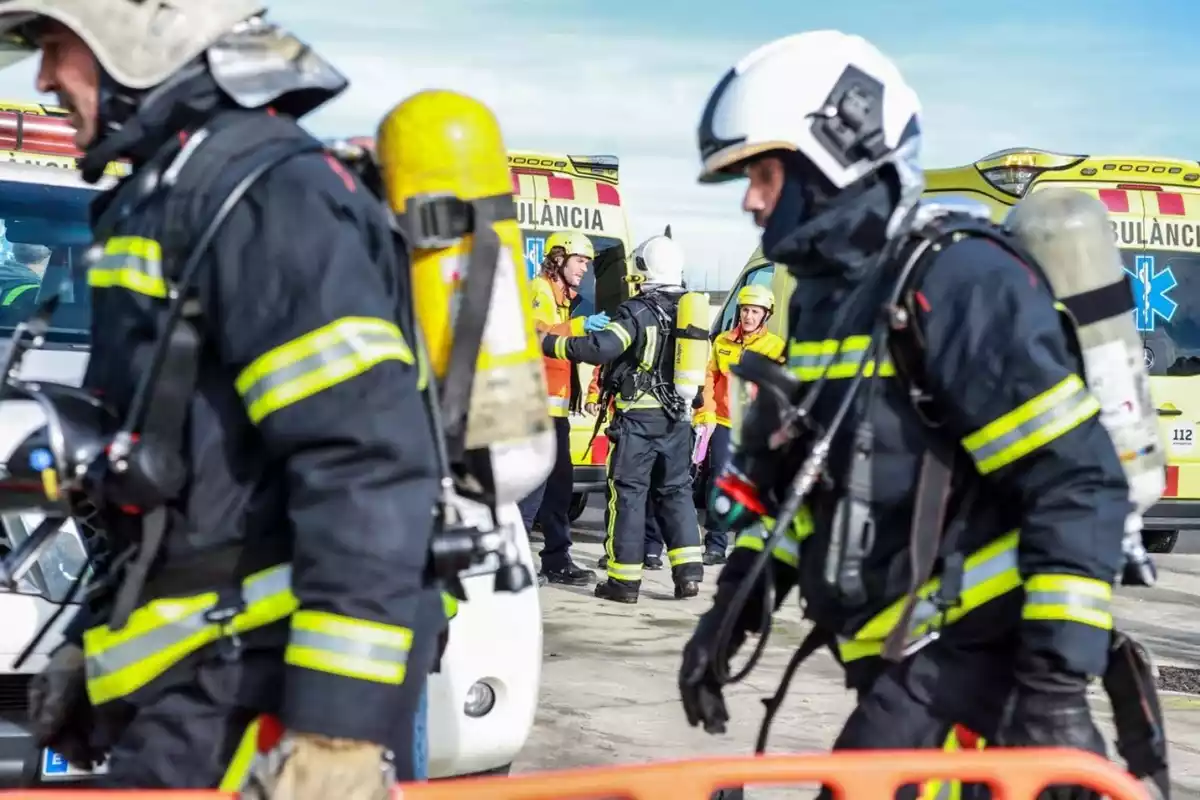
<point>577,193</point>
<point>1154,208</point>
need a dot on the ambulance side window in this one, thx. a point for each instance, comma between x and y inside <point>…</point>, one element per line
<point>760,276</point>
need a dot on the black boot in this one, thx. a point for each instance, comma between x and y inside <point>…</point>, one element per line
<point>617,591</point>
<point>602,563</point>
<point>686,589</point>
<point>570,574</point>
<point>653,562</point>
<point>713,558</point>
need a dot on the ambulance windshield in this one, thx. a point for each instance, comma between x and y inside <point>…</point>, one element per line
<point>43,234</point>
<point>1166,297</point>
<point>535,249</point>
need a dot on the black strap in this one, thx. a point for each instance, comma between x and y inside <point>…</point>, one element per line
<point>1101,303</point>
<point>161,404</point>
<point>471,322</point>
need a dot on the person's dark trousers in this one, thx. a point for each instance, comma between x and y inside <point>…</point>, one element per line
<point>554,513</point>
<point>529,505</point>
<point>716,540</point>
<point>654,539</point>
<point>648,471</point>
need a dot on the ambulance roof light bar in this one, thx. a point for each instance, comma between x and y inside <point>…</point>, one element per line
<point>37,134</point>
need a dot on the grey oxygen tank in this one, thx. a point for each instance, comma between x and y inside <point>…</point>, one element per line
<point>1070,235</point>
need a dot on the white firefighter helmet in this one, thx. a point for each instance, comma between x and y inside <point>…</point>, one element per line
<point>829,96</point>
<point>139,44</point>
<point>658,260</point>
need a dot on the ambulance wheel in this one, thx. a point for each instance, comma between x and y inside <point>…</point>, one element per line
<point>729,794</point>
<point>578,504</point>
<point>1160,541</point>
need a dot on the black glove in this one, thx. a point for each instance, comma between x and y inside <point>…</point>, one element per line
<point>60,714</point>
<point>1043,718</point>
<point>701,693</point>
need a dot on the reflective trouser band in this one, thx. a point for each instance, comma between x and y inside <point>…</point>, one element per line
<point>988,573</point>
<point>1031,425</point>
<point>353,648</point>
<point>950,789</point>
<point>16,292</point>
<point>163,632</point>
<point>1068,598</point>
<point>624,572</point>
<point>833,359</point>
<point>318,360</point>
<point>559,406</point>
<point>132,263</point>
<point>787,551</point>
<point>685,555</point>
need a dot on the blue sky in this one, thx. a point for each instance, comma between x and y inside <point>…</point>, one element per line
<point>629,77</point>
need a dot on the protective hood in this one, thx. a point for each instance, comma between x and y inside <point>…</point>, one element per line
<point>814,230</point>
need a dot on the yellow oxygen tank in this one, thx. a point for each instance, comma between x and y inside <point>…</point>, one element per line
<point>691,345</point>
<point>445,169</point>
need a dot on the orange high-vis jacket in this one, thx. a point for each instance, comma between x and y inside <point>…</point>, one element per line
<point>727,351</point>
<point>552,314</point>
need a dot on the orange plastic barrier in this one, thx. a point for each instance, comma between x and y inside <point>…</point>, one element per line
<point>1017,774</point>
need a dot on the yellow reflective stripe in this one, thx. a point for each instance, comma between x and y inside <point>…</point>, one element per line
<point>834,359</point>
<point>621,333</point>
<point>1068,598</point>
<point>16,292</point>
<point>649,350</point>
<point>685,555</point>
<point>449,605</point>
<point>787,550</point>
<point>130,262</point>
<point>644,400</point>
<point>163,632</point>
<point>624,572</point>
<point>988,573</point>
<point>750,541</point>
<point>318,360</point>
<point>1031,425</point>
<point>243,758</point>
<point>560,347</point>
<point>353,648</point>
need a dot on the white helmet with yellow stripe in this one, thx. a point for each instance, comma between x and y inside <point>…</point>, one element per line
<point>829,96</point>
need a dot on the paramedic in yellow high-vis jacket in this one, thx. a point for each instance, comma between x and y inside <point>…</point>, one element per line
<point>755,304</point>
<point>568,257</point>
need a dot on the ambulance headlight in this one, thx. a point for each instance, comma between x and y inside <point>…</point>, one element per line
<point>481,699</point>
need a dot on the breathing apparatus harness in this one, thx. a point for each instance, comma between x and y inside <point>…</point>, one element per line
<point>632,380</point>
<point>85,456</point>
<point>780,418</point>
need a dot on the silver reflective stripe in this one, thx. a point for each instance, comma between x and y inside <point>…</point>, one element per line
<point>326,356</point>
<point>1068,407</point>
<point>1069,599</point>
<point>925,611</point>
<point>345,646</point>
<point>114,659</point>
<point>848,354</point>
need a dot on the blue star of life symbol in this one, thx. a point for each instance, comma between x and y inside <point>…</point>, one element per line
<point>1151,293</point>
<point>535,251</point>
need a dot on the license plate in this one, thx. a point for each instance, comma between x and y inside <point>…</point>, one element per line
<point>55,767</point>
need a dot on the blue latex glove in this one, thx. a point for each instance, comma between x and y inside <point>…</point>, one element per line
<point>595,322</point>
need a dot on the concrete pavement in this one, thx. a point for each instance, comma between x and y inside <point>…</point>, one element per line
<point>608,681</point>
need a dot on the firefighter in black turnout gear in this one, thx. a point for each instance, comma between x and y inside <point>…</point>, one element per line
<point>651,429</point>
<point>957,549</point>
<point>279,599</point>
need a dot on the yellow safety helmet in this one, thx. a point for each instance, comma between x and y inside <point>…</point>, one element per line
<point>576,244</point>
<point>756,295</point>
